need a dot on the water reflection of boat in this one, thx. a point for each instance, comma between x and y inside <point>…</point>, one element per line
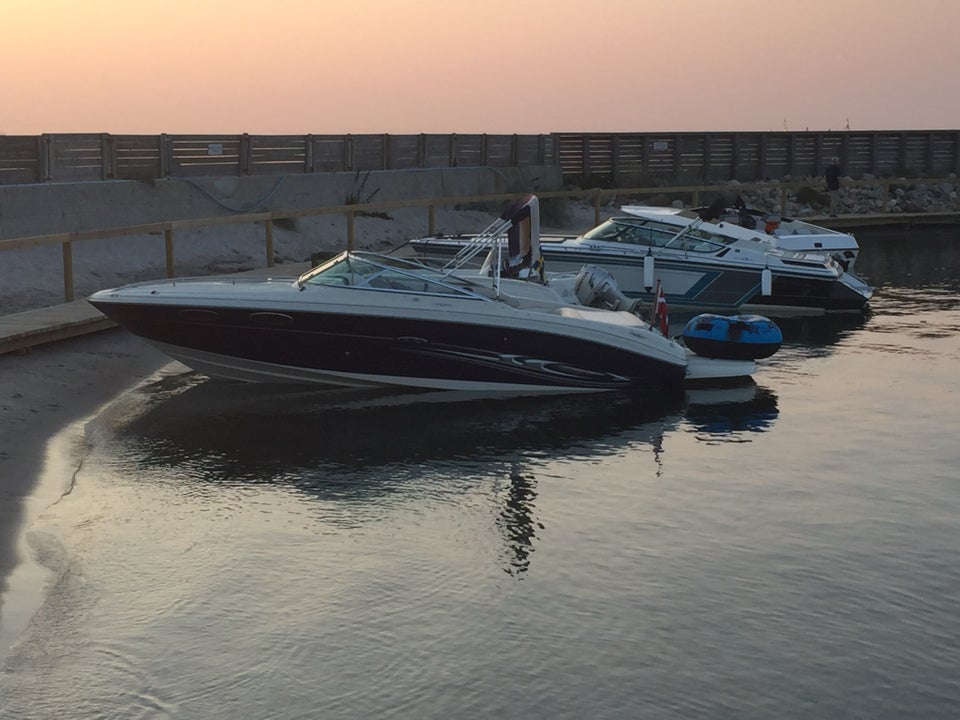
<point>720,412</point>
<point>235,432</point>
<point>268,431</point>
<point>348,446</point>
<point>823,331</point>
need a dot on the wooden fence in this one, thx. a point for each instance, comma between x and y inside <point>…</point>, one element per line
<point>75,158</point>
<point>687,158</point>
<point>586,159</point>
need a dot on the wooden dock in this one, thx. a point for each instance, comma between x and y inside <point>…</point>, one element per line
<point>23,330</point>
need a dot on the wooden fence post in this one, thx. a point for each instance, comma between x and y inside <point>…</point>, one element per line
<point>108,157</point>
<point>268,233</point>
<point>166,155</point>
<point>67,271</point>
<point>705,174</point>
<point>45,160</point>
<point>348,152</point>
<point>308,154</point>
<point>350,231</point>
<point>246,151</point>
<point>615,159</point>
<point>168,249</point>
<point>762,160</point>
<point>735,155</point>
<point>677,158</point>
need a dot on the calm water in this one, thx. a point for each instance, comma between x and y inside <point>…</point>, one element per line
<point>785,550</point>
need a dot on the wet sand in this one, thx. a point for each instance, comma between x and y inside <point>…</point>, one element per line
<point>41,393</point>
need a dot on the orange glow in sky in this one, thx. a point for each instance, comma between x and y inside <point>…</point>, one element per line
<point>432,66</point>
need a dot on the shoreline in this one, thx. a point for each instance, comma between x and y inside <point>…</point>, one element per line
<point>41,394</point>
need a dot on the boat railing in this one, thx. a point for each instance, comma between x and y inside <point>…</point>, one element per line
<point>478,243</point>
<point>686,230</point>
<point>487,240</point>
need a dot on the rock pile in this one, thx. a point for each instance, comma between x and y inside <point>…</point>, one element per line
<point>861,197</point>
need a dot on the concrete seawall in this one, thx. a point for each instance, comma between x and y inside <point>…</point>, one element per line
<point>46,208</point>
<point>40,275</point>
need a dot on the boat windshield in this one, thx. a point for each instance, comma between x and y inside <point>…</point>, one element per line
<point>648,233</point>
<point>384,272</point>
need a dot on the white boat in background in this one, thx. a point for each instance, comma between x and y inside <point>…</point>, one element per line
<point>702,265</point>
<point>785,232</point>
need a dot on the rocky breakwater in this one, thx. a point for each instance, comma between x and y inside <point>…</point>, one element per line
<point>863,196</point>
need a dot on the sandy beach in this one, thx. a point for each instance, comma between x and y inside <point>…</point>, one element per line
<point>41,393</point>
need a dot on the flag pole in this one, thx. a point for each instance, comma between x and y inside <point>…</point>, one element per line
<point>656,305</point>
<point>661,320</point>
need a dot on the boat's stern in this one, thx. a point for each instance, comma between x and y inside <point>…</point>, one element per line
<point>710,371</point>
<point>854,288</point>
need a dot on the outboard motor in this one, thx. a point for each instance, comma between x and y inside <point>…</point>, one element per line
<point>595,287</point>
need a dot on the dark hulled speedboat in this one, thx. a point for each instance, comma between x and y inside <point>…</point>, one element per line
<point>369,320</point>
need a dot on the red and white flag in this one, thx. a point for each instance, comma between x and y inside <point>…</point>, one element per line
<point>660,319</point>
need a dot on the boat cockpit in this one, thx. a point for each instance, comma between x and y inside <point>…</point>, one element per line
<point>370,271</point>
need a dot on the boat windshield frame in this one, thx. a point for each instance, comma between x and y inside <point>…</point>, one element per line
<point>372,271</point>
<point>639,232</point>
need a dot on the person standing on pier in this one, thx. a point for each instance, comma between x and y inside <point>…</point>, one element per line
<point>832,177</point>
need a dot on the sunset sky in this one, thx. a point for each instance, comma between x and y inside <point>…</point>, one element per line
<point>439,66</point>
